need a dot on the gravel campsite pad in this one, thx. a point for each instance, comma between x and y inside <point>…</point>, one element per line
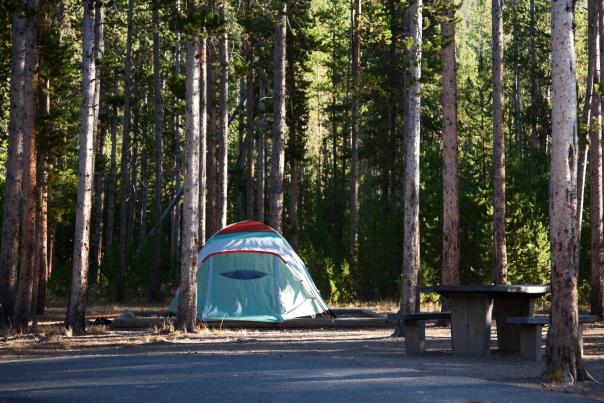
<point>271,365</point>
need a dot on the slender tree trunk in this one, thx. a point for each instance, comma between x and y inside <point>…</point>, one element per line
<point>563,354</point>
<point>157,191</point>
<point>450,268</point>
<point>250,127</point>
<point>42,229</point>
<point>124,180</point>
<point>533,72</point>
<point>175,228</point>
<point>98,206</point>
<point>595,197</point>
<point>112,175</point>
<point>516,105</point>
<point>261,147</point>
<point>187,301</point>
<point>99,141</point>
<point>211,153</point>
<point>356,78</point>
<point>203,135</point>
<point>133,200</point>
<point>9,247</point>
<point>595,163</point>
<point>501,263</point>
<point>278,154</point>
<point>411,255</point>
<point>143,194</point>
<point>79,284</point>
<point>27,272</point>
<point>223,138</point>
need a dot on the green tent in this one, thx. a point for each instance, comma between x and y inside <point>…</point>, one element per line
<point>249,272</point>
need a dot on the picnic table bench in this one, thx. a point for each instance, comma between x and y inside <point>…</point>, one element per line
<point>531,334</point>
<point>472,311</point>
<point>414,326</point>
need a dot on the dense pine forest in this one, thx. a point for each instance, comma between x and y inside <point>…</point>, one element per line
<point>380,137</point>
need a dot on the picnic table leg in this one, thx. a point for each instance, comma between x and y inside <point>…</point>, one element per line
<point>471,323</point>
<point>508,335</point>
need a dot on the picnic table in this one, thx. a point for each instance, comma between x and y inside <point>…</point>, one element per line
<point>472,308</point>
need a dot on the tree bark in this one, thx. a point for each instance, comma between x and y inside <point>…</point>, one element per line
<point>175,227</point>
<point>112,176</point>
<point>278,152</point>
<point>125,160</point>
<point>223,138</point>
<point>211,153</point>
<point>27,253</point>
<point>450,264</point>
<point>187,301</point>
<point>411,252</point>
<point>9,247</point>
<point>99,203</point>
<point>534,140</point>
<point>501,264</point>
<point>42,233</point>
<point>250,128</point>
<point>354,162</point>
<point>563,355</point>
<point>157,191</point>
<point>203,135</point>
<point>79,284</point>
<point>261,147</point>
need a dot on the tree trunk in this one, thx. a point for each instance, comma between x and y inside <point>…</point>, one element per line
<point>501,263</point>
<point>261,147</point>
<point>211,153</point>
<point>203,135</point>
<point>563,355</point>
<point>112,175</point>
<point>133,200</point>
<point>157,191</point>
<point>23,301</point>
<point>250,127</point>
<point>187,301</point>
<point>411,255</point>
<point>79,284</point>
<point>450,264</point>
<point>278,153</point>
<point>175,228</point>
<point>223,138</point>
<point>42,233</point>
<point>125,161</point>
<point>9,247</point>
<point>99,191</point>
<point>516,106</point>
<point>99,140</point>
<point>143,194</point>
<point>533,77</point>
<point>354,162</point>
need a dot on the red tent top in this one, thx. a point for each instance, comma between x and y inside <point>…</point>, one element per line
<point>246,226</point>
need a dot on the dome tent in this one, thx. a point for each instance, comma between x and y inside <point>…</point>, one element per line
<point>249,272</point>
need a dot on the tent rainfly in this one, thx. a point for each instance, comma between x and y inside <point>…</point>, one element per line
<point>249,272</point>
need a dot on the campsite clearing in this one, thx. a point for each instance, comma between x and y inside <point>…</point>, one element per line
<point>271,365</point>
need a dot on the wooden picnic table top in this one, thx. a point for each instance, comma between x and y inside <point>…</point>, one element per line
<point>522,289</point>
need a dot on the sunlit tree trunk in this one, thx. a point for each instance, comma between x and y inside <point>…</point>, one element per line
<point>278,152</point>
<point>411,253</point>
<point>223,137</point>
<point>501,263</point>
<point>203,135</point>
<point>211,142</point>
<point>450,264</point>
<point>175,227</point>
<point>563,355</point>
<point>79,284</point>
<point>187,301</point>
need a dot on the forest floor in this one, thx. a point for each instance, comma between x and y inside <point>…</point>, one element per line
<point>268,365</point>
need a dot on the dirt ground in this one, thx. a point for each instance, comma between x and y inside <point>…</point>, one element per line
<point>360,345</point>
